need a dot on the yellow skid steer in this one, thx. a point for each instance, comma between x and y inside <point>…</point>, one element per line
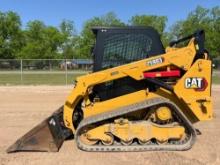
<point>139,97</point>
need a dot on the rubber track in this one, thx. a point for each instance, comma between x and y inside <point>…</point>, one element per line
<point>136,147</point>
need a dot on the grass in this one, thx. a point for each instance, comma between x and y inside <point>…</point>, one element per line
<point>38,78</point>
<point>216,79</point>
<point>52,77</point>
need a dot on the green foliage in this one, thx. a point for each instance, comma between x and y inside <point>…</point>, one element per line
<point>201,18</point>
<point>87,38</point>
<point>158,22</point>
<point>41,41</point>
<point>38,40</point>
<point>10,35</point>
<point>70,39</point>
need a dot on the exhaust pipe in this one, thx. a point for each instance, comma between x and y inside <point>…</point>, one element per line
<point>48,136</point>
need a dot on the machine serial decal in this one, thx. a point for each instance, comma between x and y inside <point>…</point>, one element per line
<point>155,61</point>
<point>197,83</point>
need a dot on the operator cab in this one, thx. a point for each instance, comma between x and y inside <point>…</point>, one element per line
<point>116,46</point>
<point>121,45</point>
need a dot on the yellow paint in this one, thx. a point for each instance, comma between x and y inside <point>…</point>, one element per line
<point>163,113</point>
<point>126,131</point>
<point>194,104</point>
<point>199,102</point>
<point>111,104</point>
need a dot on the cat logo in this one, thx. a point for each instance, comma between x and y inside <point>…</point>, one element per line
<point>197,83</point>
<point>155,61</point>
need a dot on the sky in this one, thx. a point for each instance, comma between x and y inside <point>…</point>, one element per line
<point>52,12</point>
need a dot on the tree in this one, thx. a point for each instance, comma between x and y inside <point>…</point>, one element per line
<point>67,28</point>
<point>158,22</point>
<point>10,35</point>
<point>201,18</point>
<point>41,41</point>
<point>87,38</point>
<point>215,32</point>
<point>70,39</point>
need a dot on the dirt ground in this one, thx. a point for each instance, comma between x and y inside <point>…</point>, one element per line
<point>21,108</point>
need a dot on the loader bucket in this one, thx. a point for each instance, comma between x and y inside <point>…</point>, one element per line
<point>46,136</point>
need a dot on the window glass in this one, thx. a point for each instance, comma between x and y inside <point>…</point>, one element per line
<point>124,48</point>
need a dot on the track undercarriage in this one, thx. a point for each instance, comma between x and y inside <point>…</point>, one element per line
<point>163,127</point>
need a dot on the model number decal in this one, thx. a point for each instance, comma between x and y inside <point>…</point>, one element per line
<point>155,61</point>
<point>197,83</point>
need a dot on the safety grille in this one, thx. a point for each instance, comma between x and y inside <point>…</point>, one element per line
<point>124,48</point>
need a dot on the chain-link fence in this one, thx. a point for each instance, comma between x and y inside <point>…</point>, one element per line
<point>56,71</point>
<point>216,63</point>
<point>40,71</point>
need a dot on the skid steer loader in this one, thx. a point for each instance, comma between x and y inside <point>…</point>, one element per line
<point>139,97</point>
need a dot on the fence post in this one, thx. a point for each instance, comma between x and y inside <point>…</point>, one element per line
<point>21,65</point>
<point>66,70</point>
